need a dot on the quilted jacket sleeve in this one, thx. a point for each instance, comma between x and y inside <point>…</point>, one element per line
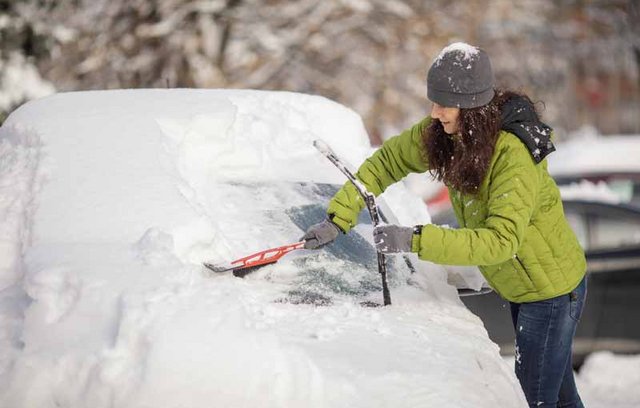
<point>397,157</point>
<point>512,195</point>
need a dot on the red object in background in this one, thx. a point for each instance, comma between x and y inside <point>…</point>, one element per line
<point>595,92</point>
<point>440,201</point>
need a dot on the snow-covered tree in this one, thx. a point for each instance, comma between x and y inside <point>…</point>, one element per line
<point>21,45</point>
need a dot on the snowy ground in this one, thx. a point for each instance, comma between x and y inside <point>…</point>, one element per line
<point>606,380</point>
<point>110,201</point>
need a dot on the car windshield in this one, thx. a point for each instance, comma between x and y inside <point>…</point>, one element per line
<point>279,213</point>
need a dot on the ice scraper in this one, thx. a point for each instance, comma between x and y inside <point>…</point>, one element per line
<point>266,257</point>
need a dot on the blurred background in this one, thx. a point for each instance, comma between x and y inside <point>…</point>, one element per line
<point>580,57</point>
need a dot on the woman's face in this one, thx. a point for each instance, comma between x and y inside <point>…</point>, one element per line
<point>447,116</point>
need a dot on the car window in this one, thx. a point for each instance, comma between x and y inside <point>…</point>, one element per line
<point>608,232</point>
<point>623,188</point>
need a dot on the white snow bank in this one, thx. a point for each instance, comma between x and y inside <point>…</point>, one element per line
<point>112,199</point>
<point>609,380</point>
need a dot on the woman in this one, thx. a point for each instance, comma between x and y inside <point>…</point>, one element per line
<point>489,148</point>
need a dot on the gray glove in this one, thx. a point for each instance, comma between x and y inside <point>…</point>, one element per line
<point>319,235</point>
<point>392,238</point>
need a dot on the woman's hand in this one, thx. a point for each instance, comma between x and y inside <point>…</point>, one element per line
<point>392,238</point>
<point>319,235</point>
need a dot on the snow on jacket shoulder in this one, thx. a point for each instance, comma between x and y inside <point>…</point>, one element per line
<point>513,229</point>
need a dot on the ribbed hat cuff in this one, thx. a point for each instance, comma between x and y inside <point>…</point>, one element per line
<point>460,100</point>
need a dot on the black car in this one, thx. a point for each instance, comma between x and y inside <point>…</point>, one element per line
<point>610,235</point>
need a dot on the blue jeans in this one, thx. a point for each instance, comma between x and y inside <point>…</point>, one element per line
<point>544,335</point>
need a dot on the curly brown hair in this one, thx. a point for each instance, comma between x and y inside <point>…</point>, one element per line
<point>462,160</point>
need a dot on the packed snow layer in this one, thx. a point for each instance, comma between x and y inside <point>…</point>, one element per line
<point>111,200</point>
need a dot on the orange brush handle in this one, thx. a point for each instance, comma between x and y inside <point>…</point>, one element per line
<point>267,256</point>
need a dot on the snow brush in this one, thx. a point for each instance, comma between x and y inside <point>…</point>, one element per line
<point>243,266</point>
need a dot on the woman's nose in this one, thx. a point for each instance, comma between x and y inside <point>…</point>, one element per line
<point>435,111</point>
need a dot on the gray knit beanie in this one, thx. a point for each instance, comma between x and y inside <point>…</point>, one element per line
<point>461,77</point>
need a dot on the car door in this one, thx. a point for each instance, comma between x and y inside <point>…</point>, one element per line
<point>611,235</point>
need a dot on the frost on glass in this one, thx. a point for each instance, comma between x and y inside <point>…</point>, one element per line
<point>344,270</point>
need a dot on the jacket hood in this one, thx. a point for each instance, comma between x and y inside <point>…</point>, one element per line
<point>520,118</point>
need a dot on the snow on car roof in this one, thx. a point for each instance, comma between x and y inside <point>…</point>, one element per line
<point>146,151</point>
<point>234,129</point>
<point>586,190</point>
<point>596,154</point>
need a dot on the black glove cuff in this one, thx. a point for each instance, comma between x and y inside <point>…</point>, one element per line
<point>330,219</point>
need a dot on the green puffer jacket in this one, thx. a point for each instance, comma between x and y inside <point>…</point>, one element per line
<point>514,229</point>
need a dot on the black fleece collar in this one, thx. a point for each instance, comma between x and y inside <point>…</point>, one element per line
<point>520,118</point>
